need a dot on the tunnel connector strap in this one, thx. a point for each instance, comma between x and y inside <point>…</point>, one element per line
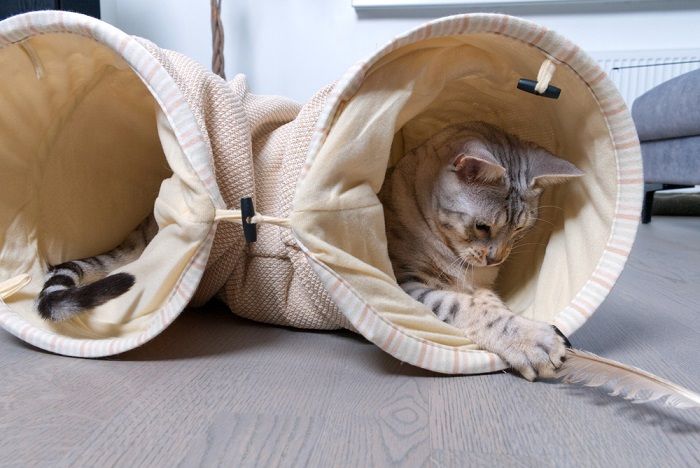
<point>13,285</point>
<point>541,87</point>
<point>250,227</point>
<point>249,218</point>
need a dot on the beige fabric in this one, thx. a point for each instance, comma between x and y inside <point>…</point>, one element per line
<point>70,196</point>
<point>85,156</point>
<point>259,145</point>
<point>86,194</point>
<point>92,191</point>
<point>407,97</point>
<point>275,284</point>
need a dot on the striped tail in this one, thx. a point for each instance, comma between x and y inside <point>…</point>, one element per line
<point>63,297</point>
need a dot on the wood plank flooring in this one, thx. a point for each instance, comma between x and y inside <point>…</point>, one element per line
<point>215,390</point>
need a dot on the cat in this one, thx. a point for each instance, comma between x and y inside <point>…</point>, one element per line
<point>76,286</point>
<point>454,208</point>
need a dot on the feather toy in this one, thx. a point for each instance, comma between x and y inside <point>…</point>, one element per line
<point>590,370</point>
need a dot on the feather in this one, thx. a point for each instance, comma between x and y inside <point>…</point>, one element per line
<point>581,367</point>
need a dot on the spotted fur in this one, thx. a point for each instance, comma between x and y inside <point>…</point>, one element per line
<point>79,285</point>
<point>454,208</point>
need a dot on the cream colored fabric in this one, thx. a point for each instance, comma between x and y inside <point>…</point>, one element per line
<point>14,285</point>
<point>85,156</point>
<point>407,97</point>
<point>106,156</point>
<point>259,145</point>
<point>272,282</point>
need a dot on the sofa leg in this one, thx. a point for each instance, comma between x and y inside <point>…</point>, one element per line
<point>650,189</point>
<point>646,207</point>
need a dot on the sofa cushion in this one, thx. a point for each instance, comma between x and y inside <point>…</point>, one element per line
<point>670,110</point>
<point>674,161</point>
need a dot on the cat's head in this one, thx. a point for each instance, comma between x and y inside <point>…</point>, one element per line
<point>487,192</point>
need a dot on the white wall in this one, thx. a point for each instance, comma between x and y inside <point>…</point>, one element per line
<point>293,47</point>
<point>181,25</point>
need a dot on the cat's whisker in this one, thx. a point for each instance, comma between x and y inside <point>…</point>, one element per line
<point>523,252</point>
<point>520,247</point>
<point>444,271</point>
<point>529,243</point>
<point>544,221</point>
<point>517,247</point>
<point>466,274</point>
<point>519,242</point>
<point>463,265</point>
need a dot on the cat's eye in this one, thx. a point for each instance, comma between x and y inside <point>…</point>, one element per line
<point>483,228</point>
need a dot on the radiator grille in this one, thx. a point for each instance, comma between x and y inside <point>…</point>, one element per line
<point>634,73</point>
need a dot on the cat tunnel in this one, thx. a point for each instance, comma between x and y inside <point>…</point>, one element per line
<point>98,129</point>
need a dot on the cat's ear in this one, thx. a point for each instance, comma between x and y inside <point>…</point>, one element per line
<point>478,166</point>
<point>546,169</point>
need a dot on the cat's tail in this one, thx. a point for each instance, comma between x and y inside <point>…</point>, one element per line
<point>63,297</point>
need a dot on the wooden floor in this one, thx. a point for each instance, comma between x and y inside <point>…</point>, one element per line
<point>214,390</point>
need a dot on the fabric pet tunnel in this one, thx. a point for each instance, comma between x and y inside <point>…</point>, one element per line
<point>98,129</point>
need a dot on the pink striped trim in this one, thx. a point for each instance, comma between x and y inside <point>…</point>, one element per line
<point>584,311</point>
<point>91,348</point>
<point>622,135</point>
<point>598,78</point>
<point>197,153</point>
<point>627,145</point>
<point>633,181</point>
<point>391,338</point>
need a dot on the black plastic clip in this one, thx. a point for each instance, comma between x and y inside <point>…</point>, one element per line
<point>250,230</point>
<point>529,86</point>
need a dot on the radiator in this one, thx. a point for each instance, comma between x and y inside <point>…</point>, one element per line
<point>636,72</point>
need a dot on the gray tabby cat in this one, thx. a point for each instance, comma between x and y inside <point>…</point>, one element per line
<point>454,208</point>
<point>79,285</point>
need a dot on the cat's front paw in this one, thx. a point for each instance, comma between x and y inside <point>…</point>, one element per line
<point>532,348</point>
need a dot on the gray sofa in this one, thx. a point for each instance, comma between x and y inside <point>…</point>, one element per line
<point>668,122</point>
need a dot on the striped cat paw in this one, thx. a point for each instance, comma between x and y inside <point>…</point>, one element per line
<point>532,348</point>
